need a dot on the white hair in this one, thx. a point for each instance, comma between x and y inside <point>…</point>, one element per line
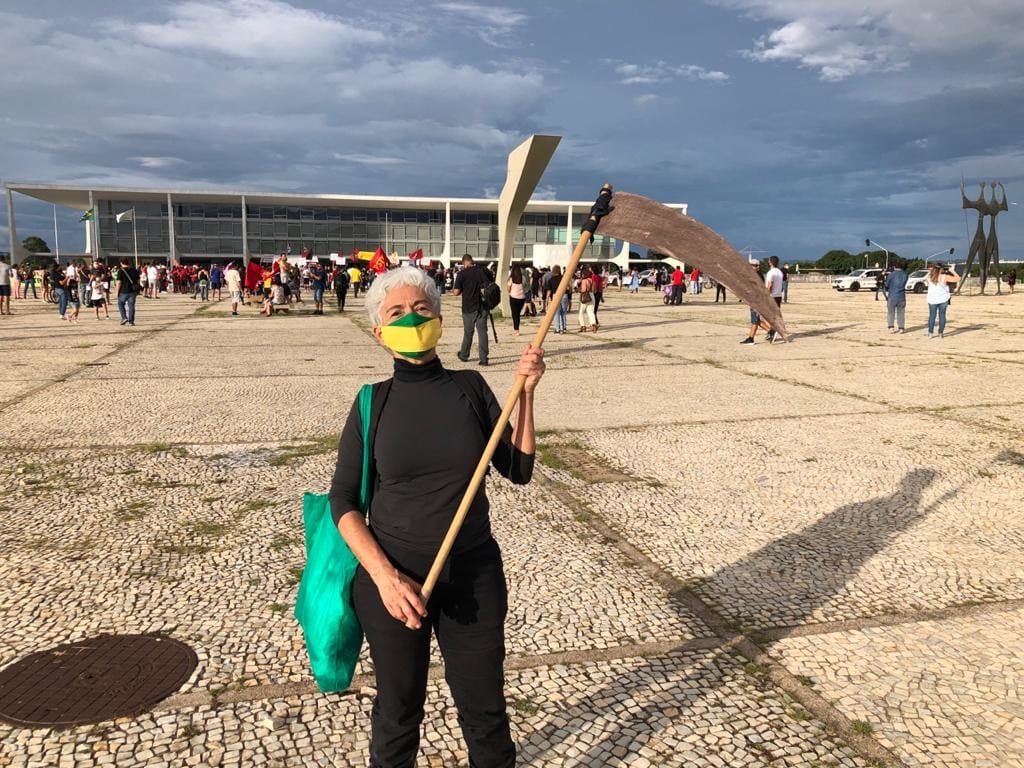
<point>394,278</point>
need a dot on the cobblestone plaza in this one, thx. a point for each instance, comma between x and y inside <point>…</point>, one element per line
<point>802,554</point>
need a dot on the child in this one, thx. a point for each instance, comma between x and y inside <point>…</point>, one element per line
<point>74,304</point>
<point>98,295</point>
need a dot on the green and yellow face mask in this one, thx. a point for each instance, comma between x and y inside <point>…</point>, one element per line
<point>412,335</point>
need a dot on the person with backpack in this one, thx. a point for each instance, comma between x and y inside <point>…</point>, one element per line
<point>417,487</point>
<point>341,281</point>
<point>471,284</point>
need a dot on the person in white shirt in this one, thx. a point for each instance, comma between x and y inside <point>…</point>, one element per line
<point>774,281</point>
<point>153,281</point>
<point>234,280</point>
<point>98,294</point>
<point>938,281</point>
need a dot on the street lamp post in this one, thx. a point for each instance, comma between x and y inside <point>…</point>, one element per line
<point>938,253</point>
<point>869,242</point>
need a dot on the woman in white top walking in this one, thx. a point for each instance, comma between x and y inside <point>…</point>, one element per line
<point>938,283</point>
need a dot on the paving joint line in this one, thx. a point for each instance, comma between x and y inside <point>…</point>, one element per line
<point>75,372</point>
<point>775,634</point>
<point>835,721</point>
<point>363,682</point>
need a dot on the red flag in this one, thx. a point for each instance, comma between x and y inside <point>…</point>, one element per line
<point>379,262</point>
<point>416,255</point>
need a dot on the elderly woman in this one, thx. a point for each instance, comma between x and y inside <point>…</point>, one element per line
<point>428,435</point>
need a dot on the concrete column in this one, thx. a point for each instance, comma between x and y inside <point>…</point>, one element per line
<point>245,235</point>
<point>172,255</point>
<point>568,235</point>
<point>446,254</point>
<point>12,232</point>
<point>93,225</point>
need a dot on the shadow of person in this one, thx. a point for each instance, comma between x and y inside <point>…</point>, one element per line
<point>796,574</point>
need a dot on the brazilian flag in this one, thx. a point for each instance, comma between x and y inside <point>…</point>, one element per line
<point>87,216</point>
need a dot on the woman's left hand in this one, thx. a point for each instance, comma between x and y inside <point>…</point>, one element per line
<point>531,365</point>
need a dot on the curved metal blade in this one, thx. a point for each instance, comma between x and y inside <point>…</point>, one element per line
<point>641,220</point>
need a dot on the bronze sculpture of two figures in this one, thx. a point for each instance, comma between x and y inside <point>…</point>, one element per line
<point>985,248</point>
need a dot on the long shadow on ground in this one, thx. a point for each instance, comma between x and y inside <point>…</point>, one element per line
<point>801,571</point>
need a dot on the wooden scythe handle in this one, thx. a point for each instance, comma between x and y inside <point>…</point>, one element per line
<point>499,428</point>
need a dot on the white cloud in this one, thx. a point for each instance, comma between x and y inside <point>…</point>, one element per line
<point>362,159</point>
<point>662,72</point>
<point>157,162</point>
<point>645,98</point>
<point>253,29</point>
<point>493,24</point>
<point>843,38</point>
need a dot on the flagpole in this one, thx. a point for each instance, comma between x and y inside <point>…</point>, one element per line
<point>56,237</point>
<point>135,239</point>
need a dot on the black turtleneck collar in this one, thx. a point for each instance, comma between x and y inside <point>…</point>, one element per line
<point>413,373</point>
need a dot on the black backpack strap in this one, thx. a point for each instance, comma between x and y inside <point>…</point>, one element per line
<point>476,401</point>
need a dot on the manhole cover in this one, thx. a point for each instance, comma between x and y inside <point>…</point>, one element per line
<point>94,680</point>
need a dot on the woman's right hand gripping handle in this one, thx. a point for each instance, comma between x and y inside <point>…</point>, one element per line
<point>400,594</point>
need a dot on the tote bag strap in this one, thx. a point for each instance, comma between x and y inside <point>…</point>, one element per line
<point>365,406</point>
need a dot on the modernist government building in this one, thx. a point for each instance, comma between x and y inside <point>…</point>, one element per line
<point>191,226</point>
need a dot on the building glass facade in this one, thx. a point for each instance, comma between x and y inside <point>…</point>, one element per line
<point>214,230</point>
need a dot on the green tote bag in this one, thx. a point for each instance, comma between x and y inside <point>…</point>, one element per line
<point>324,604</point>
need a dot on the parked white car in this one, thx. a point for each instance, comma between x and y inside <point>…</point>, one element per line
<point>859,278</point>
<point>916,281</point>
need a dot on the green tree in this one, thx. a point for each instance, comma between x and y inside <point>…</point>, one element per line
<point>836,261</point>
<point>35,244</point>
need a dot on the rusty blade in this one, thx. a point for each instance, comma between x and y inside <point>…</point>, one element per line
<point>644,221</point>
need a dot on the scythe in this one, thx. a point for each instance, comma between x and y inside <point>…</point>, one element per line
<point>642,220</point>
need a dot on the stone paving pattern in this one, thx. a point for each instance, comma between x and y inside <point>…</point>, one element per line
<point>689,488</point>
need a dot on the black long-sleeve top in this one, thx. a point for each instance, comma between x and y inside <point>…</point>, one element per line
<point>428,442</point>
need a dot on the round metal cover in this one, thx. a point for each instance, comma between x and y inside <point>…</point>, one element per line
<point>94,680</point>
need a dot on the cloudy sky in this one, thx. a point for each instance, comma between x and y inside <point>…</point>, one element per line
<point>790,126</point>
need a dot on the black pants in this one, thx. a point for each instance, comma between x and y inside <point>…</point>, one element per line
<point>341,298</point>
<point>467,613</point>
<point>720,291</point>
<point>517,310</point>
<point>598,298</point>
<point>677,294</point>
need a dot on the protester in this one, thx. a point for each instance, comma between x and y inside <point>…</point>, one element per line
<point>341,281</point>
<point>695,281</point>
<point>938,281</point>
<point>896,298</point>
<point>468,284</point>
<point>318,283</point>
<point>634,281</point>
<point>418,487</point>
<point>5,286</point>
<point>1011,279</point>
<point>586,291</point>
<point>516,295</point>
<point>677,286</point>
<point>774,282</point>
<point>98,293</point>
<point>355,277</point>
<point>755,318</point>
<point>27,278</point>
<point>152,282</point>
<point>564,304</point>
<point>202,288</point>
<point>234,280</point>
<point>720,292</point>
<point>129,282</point>
<point>216,281</point>
<point>598,282</point>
